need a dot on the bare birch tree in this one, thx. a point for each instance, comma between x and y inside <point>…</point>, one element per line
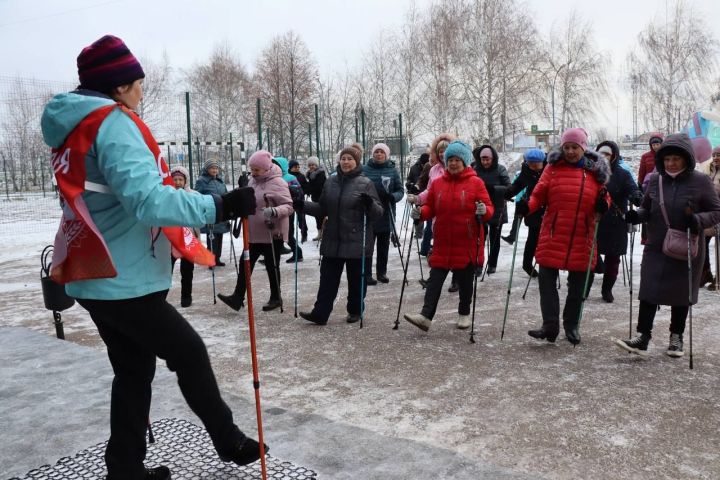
<point>678,59</point>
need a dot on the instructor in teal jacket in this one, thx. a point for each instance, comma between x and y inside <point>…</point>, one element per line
<point>128,202</point>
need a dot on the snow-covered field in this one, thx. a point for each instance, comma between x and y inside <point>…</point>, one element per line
<point>551,410</point>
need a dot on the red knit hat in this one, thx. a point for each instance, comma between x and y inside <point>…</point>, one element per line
<point>107,63</point>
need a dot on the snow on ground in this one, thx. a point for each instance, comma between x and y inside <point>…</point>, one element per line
<point>546,409</point>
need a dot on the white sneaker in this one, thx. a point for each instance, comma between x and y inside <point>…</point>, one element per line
<point>463,322</point>
<point>419,320</point>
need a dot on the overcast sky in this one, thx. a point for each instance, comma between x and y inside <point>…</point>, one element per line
<point>41,38</point>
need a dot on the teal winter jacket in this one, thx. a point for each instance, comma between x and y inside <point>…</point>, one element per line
<point>137,203</point>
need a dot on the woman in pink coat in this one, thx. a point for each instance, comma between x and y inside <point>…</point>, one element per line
<point>268,228</point>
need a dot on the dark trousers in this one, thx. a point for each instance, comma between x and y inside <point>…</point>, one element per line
<point>331,269</point>
<point>303,223</point>
<point>515,226</point>
<point>215,246</point>
<point>550,299</point>
<point>382,248</point>
<point>646,317</point>
<point>492,235</point>
<point>292,240</point>
<point>427,238</point>
<point>706,265</point>
<point>435,282</point>
<point>186,276</point>
<point>530,246</point>
<point>266,250</point>
<point>136,331</point>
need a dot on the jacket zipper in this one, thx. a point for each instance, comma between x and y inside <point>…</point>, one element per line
<point>340,196</point>
<point>577,211</point>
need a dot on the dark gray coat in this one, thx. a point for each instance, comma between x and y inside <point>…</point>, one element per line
<point>496,180</point>
<point>663,280</point>
<point>206,184</point>
<point>342,204</point>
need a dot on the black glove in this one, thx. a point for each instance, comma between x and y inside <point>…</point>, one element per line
<point>601,205</point>
<point>412,188</point>
<point>637,198</point>
<point>243,181</point>
<point>509,193</point>
<point>522,208</point>
<point>386,197</point>
<point>691,222</point>
<point>299,204</point>
<point>632,217</point>
<point>238,203</point>
<point>367,200</point>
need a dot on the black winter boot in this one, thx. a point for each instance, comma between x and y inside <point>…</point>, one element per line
<point>543,334</point>
<point>234,301</point>
<point>156,473</point>
<point>607,286</point>
<point>637,345</point>
<point>272,304</point>
<point>185,301</point>
<point>244,452</point>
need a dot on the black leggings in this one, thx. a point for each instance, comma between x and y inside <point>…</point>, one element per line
<point>646,317</point>
<point>271,267</point>
<point>136,331</point>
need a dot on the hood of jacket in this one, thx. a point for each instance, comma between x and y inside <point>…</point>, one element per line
<point>495,157</point>
<point>269,174</point>
<point>613,146</point>
<point>282,162</point>
<point>680,144</point>
<point>592,163</point>
<point>448,137</point>
<point>64,111</point>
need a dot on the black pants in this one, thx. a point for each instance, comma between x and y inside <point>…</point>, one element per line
<point>492,235</point>
<point>215,246</point>
<point>646,317</point>
<point>464,278</point>
<point>303,224</point>
<point>706,265</point>
<point>530,246</point>
<point>266,250</point>
<point>382,248</point>
<point>292,241</point>
<point>331,269</point>
<point>136,331</point>
<point>550,299</point>
<point>186,276</point>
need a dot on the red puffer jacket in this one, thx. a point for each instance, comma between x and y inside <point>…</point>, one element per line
<point>451,200</point>
<point>570,193</point>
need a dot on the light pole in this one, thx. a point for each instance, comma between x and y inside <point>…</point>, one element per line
<point>552,99</point>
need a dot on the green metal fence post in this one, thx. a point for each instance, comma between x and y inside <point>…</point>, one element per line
<point>402,150</point>
<point>362,124</point>
<point>259,125</point>
<point>310,139</point>
<point>232,163</point>
<point>189,137</point>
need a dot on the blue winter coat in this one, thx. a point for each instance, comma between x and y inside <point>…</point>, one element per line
<point>207,185</point>
<point>138,201</point>
<point>389,188</point>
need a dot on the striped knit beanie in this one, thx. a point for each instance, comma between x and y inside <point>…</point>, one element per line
<point>107,64</point>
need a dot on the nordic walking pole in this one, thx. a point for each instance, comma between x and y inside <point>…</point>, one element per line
<point>362,272</point>
<point>630,274</point>
<point>478,221</point>
<point>211,236</point>
<point>690,283</point>
<point>529,278</point>
<point>396,241</point>
<point>276,267</point>
<point>487,260</point>
<point>253,344</point>
<point>297,228</point>
<point>587,272</point>
<point>405,270</point>
<point>417,247</point>
<point>624,268</point>
<point>516,227</point>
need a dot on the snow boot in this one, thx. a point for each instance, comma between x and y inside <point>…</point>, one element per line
<point>675,348</point>
<point>607,286</point>
<point>419,320</point>
<point>637,345</point>
<point>292,259</point>
<point>543,334</point>
<point>706,277</point>
<point>572,335</point>
<point>370,281</point>
<point>382,278</point>
<point>272,304</point>
<point>185,301</point>
<point>463,322</point>
<point>352,318</point>
<point>233,301</point>
<point>490,269</point>
<point>509,238</point>
<point>311,318</point>
<point>244,452</point>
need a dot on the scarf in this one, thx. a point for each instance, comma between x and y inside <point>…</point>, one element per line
<point>80,252</point>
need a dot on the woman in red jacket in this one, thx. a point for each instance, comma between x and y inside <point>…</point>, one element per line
<point>572,190</point>
<point>457,201</point>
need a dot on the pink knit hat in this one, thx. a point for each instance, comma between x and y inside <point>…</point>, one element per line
<point>384,148</point>
<point>261,159</point>
<point>575,135</point>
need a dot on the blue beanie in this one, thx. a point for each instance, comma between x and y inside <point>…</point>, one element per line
<point>534,155</point>
<point>459,149</point>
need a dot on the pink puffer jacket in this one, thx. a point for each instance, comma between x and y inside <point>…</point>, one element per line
<point>271,191</point>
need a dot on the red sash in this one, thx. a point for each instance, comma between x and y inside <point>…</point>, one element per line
<point>80,252</point>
